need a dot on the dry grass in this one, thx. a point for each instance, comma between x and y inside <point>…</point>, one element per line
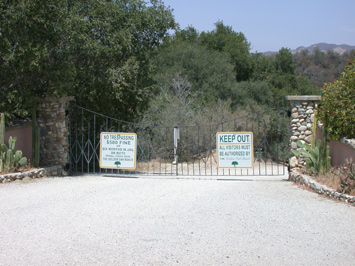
<point>26,167</point>
<point>331,180</point>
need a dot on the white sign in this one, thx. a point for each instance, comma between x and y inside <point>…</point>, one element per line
<point>118,150</point>
<point>235,149</point>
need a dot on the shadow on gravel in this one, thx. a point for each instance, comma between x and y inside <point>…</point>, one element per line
<point>216,178</point>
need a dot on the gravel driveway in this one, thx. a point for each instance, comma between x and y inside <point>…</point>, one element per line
<point>98,220</point>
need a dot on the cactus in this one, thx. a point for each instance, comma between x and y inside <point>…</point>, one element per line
<point>17,157</point>
<point>315,161</point>
<point>12,141</point>
<point>9,159</point>
<point>2,129</point>
<point>22,162</point>
<point>314,129</point>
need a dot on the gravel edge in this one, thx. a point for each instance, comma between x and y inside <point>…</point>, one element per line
<point>33,174</point>
<point>321,189</point>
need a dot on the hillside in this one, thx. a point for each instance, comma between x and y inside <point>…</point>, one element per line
<point>323,47</point>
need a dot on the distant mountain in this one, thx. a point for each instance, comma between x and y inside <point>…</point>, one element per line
<point>324,47</point>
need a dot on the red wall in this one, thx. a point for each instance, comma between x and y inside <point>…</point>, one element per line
<point>24,139</point>
<point>338,150</point>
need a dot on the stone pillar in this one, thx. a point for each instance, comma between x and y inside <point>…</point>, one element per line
<point>54,131</point>
<point>302,116</point>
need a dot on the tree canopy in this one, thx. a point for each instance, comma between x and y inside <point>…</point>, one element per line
<point>337,106</point>
<point>225,40</point>
<point>95,50</point>
<point>209,72</point>
<point>116,57</point>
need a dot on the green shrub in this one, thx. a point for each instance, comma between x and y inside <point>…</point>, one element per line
<point>338,104</point>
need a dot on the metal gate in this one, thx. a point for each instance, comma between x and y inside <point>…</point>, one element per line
<point>182,150</point>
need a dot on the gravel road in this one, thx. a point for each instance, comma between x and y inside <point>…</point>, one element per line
<point>101,220</point>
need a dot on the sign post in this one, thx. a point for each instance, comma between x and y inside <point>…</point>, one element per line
<point>118,150</point>
<point>176,139</point>
<point>235,149</point>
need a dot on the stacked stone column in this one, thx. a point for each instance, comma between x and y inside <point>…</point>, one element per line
<point>54,131</point>
<point>302,117</point>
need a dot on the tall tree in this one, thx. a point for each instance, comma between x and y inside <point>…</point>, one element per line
<point>35,55</point>
<point>284,61</point>
<point>95,50</point>
<point>225,39</point>
<point>209,72</point>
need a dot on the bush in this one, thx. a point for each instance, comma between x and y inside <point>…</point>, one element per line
<point>338,104</point>
<point>346,174</point>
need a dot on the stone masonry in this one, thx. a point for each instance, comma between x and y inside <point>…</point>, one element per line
<point>54,132</point>
<point>302,116</point>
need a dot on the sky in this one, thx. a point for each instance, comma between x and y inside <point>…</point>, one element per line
<point>270,25</point>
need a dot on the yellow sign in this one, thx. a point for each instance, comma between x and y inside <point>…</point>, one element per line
<point>118,150</point>
<point>235,149</point>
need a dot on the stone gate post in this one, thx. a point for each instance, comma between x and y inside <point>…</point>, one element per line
<point>302,117</point>
<point>54,131</point>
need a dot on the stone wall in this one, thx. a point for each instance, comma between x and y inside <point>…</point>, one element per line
<point>33,174</point>
<point>307,181</point>
<point>302,116</point>
<point>53,123</point>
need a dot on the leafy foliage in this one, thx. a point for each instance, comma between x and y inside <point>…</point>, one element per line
<point>347,177</point>
<point>320,67</point>
<point>284,62</point>
<point>34,57</point>
<point>114,56</point>
<point>95,50</point>
<point>225,40</point>
<point>209,72</point>
<point>338,104</point>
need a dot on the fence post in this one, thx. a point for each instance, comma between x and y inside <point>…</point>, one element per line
<point>176,140</point>
<point>35,139</point>
<point>302,118</point>
<point>54,131</point>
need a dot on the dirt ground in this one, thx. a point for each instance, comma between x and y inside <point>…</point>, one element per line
<point>165,220</point>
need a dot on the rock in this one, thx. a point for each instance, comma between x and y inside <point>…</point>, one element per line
<point>301,110</point>
<point>308,132</point>
<point>293,162</point>
<point>308,139</point>
<point>294,145</point>
<point>294,138</point>
<point>302,128</point>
